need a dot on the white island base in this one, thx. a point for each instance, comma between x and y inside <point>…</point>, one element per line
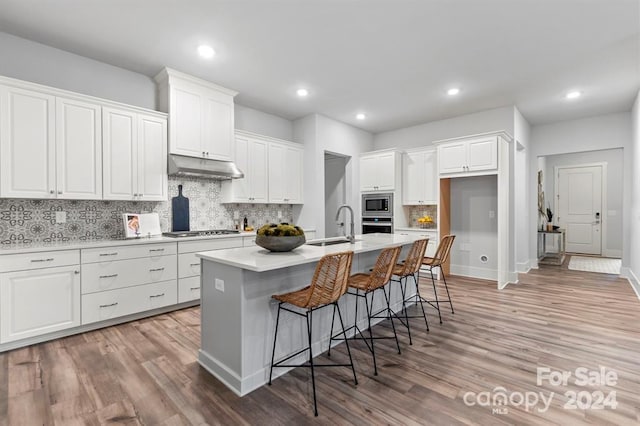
<point>238,314</point>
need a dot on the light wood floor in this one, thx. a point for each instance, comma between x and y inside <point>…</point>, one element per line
<point>145,372</point>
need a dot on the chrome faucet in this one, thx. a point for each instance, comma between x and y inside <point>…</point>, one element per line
<point>352,237</point>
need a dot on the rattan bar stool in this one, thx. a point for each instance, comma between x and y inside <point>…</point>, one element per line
<point>329,282</point>
<point>441,256</point>
<point>410,267</point>
<point>365,284</point>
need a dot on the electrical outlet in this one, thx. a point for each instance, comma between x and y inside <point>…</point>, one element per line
<point>492,214</point>
<point>219,284</point>
<point>61,217</point>
<point>279,214</point>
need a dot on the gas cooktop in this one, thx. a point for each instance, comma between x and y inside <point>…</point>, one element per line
<point>204,233</point>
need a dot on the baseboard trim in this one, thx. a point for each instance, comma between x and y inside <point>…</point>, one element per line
<point>523,267</point>
<point>533,263</point>
<point>474,272</point>
<point>632,278</point>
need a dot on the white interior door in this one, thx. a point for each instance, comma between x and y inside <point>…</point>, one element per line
<point>579,207</point>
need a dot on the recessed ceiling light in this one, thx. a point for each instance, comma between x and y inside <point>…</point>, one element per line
<point>453,91</point>
<point>361,116</point>
<point>206,52</point>
<point>302,92</point>
<point>573,95</point>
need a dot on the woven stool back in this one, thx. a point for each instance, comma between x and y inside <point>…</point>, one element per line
<point>383,268</point>
<point>442,253</point>
<point>329,281</point>
<point>414,259</point>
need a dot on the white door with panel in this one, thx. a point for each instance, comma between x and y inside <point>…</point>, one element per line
<point>27,144</point>
<point>420,179</point>
<point>285,173</point>
<point>78,150</point>
<point>378,171</point>
<point>38,302</point>
<point>120,141</point>
<point>579,207</point>
<point>152,158</point>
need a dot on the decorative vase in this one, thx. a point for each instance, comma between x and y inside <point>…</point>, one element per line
<point>280,243</point>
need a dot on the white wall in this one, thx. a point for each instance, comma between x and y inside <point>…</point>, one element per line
<point>320,134</point>
<point>253,120</point>
<point>612,246</point>
<point>587,134</point>
<point>472,200</point>
<point>334,195</point>
<point>464,125</point>
<point>634,218</point>
<point>521,203</point>
<point>26,60</point>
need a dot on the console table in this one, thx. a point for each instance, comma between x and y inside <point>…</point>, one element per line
<point>551,258</point>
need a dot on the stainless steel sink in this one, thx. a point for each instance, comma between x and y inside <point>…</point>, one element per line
<point>329,242</point>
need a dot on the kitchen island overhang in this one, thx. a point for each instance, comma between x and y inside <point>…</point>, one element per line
<point>238,314</point>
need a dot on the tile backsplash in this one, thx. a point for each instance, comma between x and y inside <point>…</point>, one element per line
<point>24,221</point>
<point>418,211</point>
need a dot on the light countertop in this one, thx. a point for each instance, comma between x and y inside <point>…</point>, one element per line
<point>257,259</point>
<point>413,228</point>
<point>75,245</point>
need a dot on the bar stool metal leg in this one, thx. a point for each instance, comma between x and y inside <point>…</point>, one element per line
<point>346,342</point>
<point>435,292</point>
<point>275,337</point>
<point>447,288</point>
<point>403,292</point>
<point>333,317</point>
<point>373,352</point>
<point>313,375</point>
<point>389,317</point>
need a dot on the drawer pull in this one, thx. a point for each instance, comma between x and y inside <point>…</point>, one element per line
<point>156,295</point>
<point>42,260</point>
<point>156,270</point>
<point>109,305</point>
<point>155,250</point>
<point>115,253</point>
<point>109,276</point>
<point>195,264</point>
<point>195,288</point>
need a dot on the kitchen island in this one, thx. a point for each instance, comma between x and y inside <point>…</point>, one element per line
<point>238,314</point>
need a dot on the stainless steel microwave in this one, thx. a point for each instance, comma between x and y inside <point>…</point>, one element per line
<point>377,205</point>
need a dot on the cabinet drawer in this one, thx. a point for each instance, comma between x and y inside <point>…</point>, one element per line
<point>125,273</point>
<point>44,259</point>
<point>188,289</point>
<point>206,245</point>
<point>188,265</point>
<point>125,301</point>
<point>127,252</point>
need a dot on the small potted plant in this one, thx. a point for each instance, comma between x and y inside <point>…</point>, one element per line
<point>549,219</point>
<point>280,237</point>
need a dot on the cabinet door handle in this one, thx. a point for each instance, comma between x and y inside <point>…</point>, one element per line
<point>76,272</point>
<point>109,305</point>
<point>50,259</point>
<point>115,253</point>
<point>109,276</point>
<point>52,192</point>
<point>156,295</point>
<point>207,153</point>
<point>195,264</point>
<point>156,270</point>
<point>203,153</point>
<point>155,250</point>
<point>195,288</point>
<point>59,192</point>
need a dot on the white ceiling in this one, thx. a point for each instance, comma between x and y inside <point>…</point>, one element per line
<point>392,59</point>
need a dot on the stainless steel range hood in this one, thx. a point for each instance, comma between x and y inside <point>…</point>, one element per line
<point>181,165</point>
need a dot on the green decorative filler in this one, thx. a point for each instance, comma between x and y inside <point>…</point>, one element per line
<point>279,238</point>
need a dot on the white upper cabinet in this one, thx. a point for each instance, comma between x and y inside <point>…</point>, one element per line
<point>251,156</point>
<point>27,144</point>
<point>78,150</point>
<point>135,155</point>
<point>420,178</point>
<point>285,173</point>
<point>379,171</point>
<point>201,115</point>
<point>50,147</point>
<point>469,156</point>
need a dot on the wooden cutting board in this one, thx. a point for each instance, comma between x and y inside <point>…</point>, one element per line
<point>180,212</point>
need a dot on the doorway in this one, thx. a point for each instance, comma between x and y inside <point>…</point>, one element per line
<point>334,191</point>
<point>579,204</point>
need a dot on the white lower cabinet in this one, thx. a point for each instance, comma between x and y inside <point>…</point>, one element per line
<point>432,235</point>
<point>126,273</point>
<point>39,301</point>
<point>189,289</point>
<point>111,304</point>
